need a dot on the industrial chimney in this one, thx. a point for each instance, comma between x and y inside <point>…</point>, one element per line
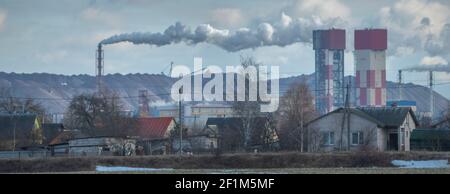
<point>99,68</point>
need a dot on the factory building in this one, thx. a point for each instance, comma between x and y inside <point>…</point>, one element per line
<point>370,66</point>
<point>329,46</point>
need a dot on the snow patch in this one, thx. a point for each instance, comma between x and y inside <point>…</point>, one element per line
<point>421,163</point>
<point>126,169</point>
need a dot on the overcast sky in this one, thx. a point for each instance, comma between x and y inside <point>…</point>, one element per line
<point>60,36</point>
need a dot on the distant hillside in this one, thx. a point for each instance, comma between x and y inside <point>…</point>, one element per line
<point>48,87</point>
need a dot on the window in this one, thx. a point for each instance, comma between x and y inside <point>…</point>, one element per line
<point>357,138</point>
<point>328,138</point>
<point>337,56</point>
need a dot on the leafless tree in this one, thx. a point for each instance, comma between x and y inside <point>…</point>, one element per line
<point>314,140</point>
<point>369,138</point>
<point>247,110</point>
<point>99,115</point>
<point>11,104</point>
<point>296,110</point>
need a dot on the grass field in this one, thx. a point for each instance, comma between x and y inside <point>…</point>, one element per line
<point>294,171</point>
<point>287,162</point>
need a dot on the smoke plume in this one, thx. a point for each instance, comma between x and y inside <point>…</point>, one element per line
<point>437,64</point>
<point>285,32</point>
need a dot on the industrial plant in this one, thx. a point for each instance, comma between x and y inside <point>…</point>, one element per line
<point>341,92</point>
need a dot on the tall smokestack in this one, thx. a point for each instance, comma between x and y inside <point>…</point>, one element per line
<point>431,96</point>
<point>99,68</point>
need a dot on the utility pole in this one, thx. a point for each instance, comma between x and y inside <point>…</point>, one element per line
<point>347,110</point>
<point>431,97</point>
<point>180,91</point>
<point>400,84</point>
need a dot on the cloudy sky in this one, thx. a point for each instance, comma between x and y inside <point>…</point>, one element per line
<point>60,36</point>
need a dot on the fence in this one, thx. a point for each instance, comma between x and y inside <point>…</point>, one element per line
<point>24,154</point>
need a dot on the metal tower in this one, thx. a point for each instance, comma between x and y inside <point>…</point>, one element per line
<point>329,46</point>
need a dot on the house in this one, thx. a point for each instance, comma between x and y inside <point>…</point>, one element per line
<point>154,134</point>
<point>50,131</point>
<point>430,139</point>
<point>444,123</point>
<point>203,141</point>
<point>19,130</point>
<point>374,128</point>
<point>195,115</point>
<point>102,146</point>
<point>229,132</point>
<point>59,145</point>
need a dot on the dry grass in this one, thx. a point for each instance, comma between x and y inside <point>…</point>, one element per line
<point>285,160</point>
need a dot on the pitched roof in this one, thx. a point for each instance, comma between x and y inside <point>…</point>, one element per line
<point>390,117</point>
<point>66,135</point>
<point>21,122</point>
<point>153,127</point>
<point>230,125</point>
<point>443,121</point>
<point>51,130</point>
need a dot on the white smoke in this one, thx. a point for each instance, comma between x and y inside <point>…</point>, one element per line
<point>433,61</point>
<point>436,63</point>
<point>285,32</point>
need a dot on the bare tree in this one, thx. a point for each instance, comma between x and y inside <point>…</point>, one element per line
<point>369,138</point>
<point>99,115</point>
<point>247,110</point>
<point>296,110</point>
<point>11,104</point>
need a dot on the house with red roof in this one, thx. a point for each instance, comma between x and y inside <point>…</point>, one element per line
<point>155,127</point>
<point>154,133</point>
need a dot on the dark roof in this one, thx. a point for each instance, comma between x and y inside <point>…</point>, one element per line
<point>443,121</point>
<point>231,125</point>
<point>153,127</point>
<point>66,135</point>
<point>51,130</point>
<point>388,117</point>
<point>23,123</point>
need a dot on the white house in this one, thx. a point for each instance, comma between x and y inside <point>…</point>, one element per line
<point>374,128</point>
